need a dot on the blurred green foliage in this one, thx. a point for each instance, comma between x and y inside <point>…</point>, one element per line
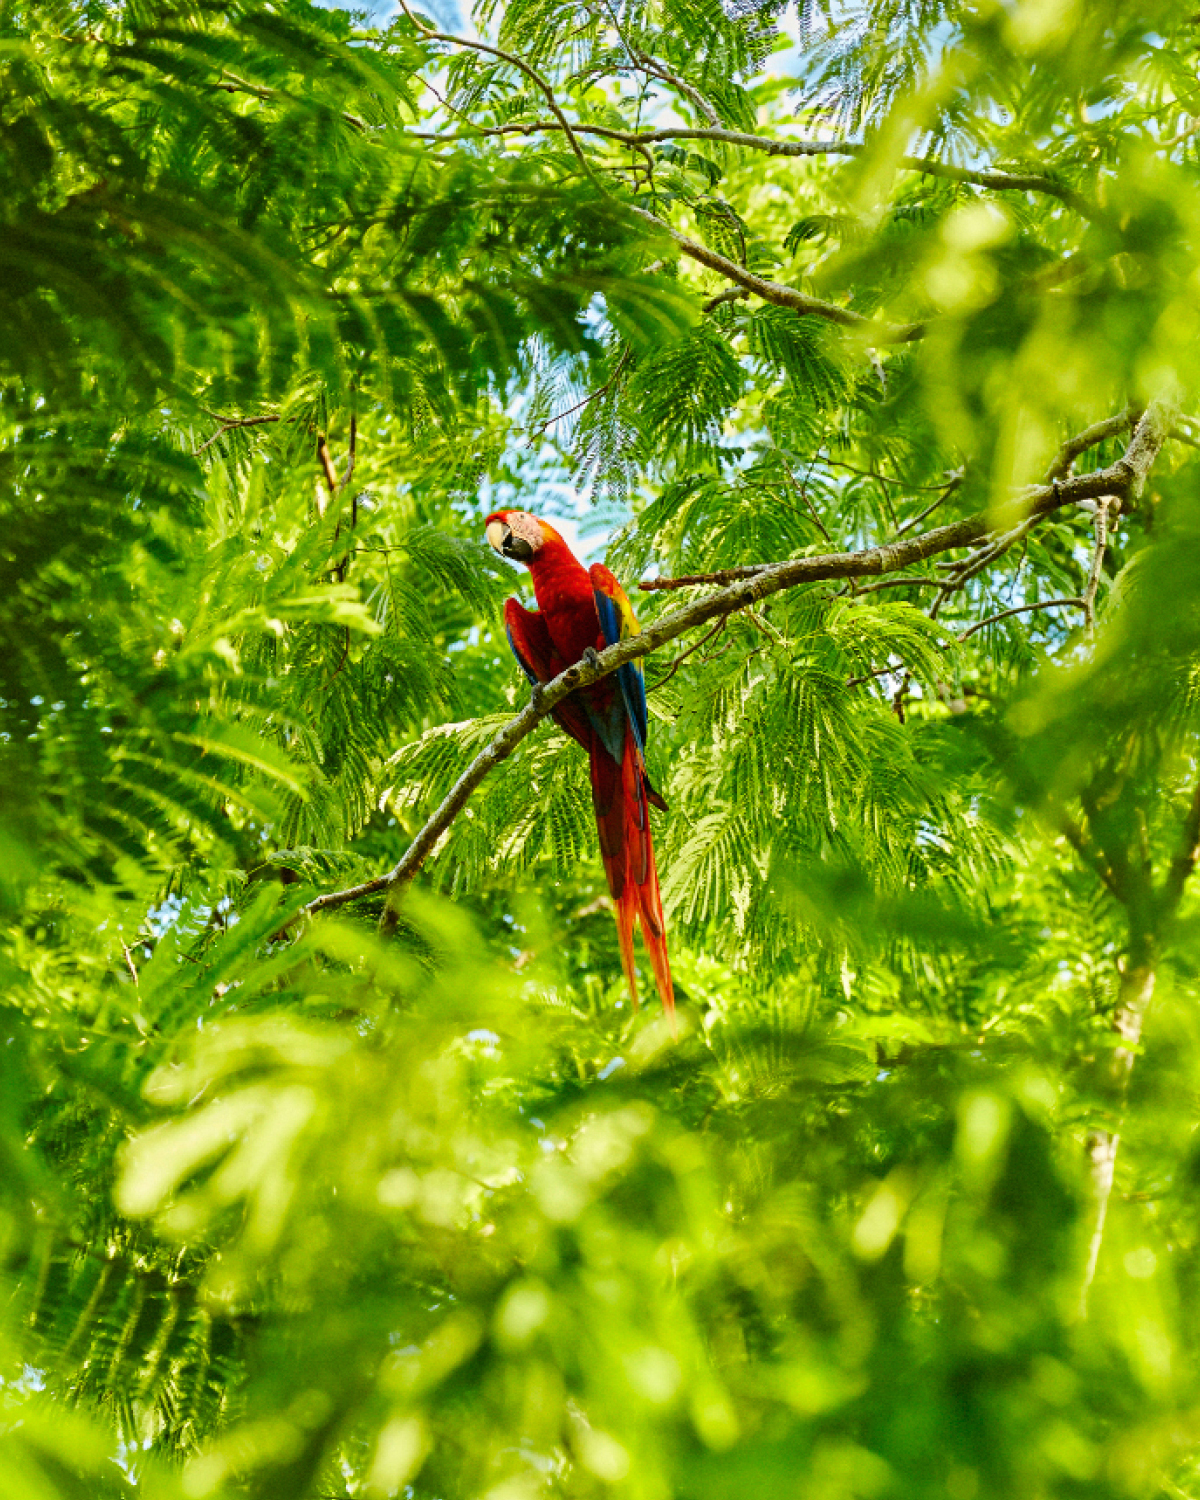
<point>293,298</point>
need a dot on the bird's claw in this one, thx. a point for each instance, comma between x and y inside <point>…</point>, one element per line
<point>537,694</point>
<point>591,656</point>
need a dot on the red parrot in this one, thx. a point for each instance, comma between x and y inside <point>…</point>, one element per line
<point>582,610</point>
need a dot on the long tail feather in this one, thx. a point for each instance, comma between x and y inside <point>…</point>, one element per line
<point>654,934</point>
<point>619,794</point>
<point>625,910</point>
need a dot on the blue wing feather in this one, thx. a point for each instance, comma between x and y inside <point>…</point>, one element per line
<point>629,677</point>
<point>521,662</point>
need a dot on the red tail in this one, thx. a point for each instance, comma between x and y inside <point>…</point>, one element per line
<point>619,796</point>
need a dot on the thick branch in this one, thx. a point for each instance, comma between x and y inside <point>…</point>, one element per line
<point>742,594</point>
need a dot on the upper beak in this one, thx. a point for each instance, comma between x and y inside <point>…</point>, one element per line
<point>515,548</point>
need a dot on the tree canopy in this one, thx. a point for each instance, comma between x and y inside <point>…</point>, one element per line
<point>861,341</point>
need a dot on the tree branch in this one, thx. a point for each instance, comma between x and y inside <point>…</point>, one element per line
<point>522,66</point>
<point>1093,583</point>
<point>784,296</point>
<point>232,84</point>
<point>991,178</point>
<point>952,483</point>
<point>1064,459</point>
<point>326,462</point>
<point>229,427</point>
<point>1184,862</point>
<point>1020,609</point>
<point>773,578</point>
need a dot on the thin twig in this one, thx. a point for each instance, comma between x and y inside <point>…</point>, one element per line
<point>878,672</point>
<point>1020,609</point>
<point>232,84</point>
<point>839,463</point>
<point>229,427</point>
<point>588,399</point>
<point>137,984</point>
<point>903,583</point>
<point>683,655</point>
<point>522,66</point>
<point>947,490</point>
<point>348,472</point>
<point>655,69</point>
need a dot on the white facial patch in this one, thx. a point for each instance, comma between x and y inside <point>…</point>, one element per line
<point>527,527</point>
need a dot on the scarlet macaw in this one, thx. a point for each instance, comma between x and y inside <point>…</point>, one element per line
<point>582,610</point>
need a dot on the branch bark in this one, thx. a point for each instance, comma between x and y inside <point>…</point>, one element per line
<point>230,426</point>
<point>780,295</point>
<point>1020,609</point>
<point>991,178</point>
<point>773,578</point>
<point>1098,432</point>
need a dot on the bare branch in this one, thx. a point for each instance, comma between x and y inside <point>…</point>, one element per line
<point>523,67</point>
<point>229,427</point>
<point>1064,459</point>
<point>952,483</point>
<point>232,84</point>
<point>904,583</point>
<point>746,592</point>
<point>655,69</point>
<point>730,294</point>
<point>840,463</point>
<point>1020,609</point>
<point>348,471</point>
<point>991,178</point>
<point>1093,583</point>
<point>698,580</point>
<point>330,473</point>
<point>683,655</point>
<point>785,296</point>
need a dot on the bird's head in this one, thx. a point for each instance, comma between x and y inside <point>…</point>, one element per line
<point>517,535</point>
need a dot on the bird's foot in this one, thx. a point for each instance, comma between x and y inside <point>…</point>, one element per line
<point>591,656</point>
<point>537,694</point>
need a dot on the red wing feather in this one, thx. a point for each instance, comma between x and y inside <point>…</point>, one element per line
<point>534,650</point>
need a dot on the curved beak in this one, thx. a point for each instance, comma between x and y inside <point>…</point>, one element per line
<point>515,548</point>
